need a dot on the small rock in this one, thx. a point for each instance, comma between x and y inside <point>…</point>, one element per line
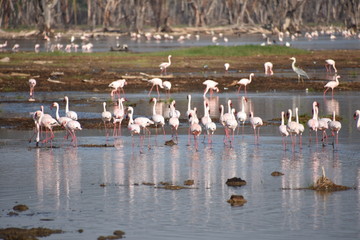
<point>276,174</point>
<point>189,182</point>
<point>119,233</point>
<point>20,208</point>
<point>235,182</point>
<point>170,143</point>
<point>237,200</point>
<point>5,59</point>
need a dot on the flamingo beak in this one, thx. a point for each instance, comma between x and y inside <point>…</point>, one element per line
<point>246,99</point>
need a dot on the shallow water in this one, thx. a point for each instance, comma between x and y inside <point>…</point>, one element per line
<point>62,188</point>
<point>103,44</point>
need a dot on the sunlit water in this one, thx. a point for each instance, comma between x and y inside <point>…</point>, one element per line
<point>62,188</point>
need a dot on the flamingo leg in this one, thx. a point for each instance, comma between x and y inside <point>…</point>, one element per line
<point>239,89</point>
<point>151,89</point>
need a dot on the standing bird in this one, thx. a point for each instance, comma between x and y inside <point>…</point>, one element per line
<point>106,117</point>
<point>62,120</point>
<point>268,68</point>
<point>174,120</point>
<point>329,63</point>
<point>301,73</point>
<point>32,84</point>
<point>155,82</point>
<point>48,123</point>
<point>300,126</point>
<point>313,123</point>
<point>292,128</point>
<point>210,85</point>
<point>118,86</point>
<point>227,66</point>
<point>133,127</point>
<point>73,126</point>
<point>158,119</point>
<point>256,122</point>
<point>118,116</point>
<point>163,66</point>
<point>332,84</point>
<point>244,82</point>
<point>195,128</point>
<point>69,114</point>
<point>282,129</point>
<point>167,87</point>
<point>357,115</point>
<point>241,116</point>
<point>335,127</point>
<point>231,124</point>
<point>16,47</point>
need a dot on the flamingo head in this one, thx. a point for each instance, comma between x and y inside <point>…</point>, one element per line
<point>152,100</point>
<point>216,89</point>
<point>357,112</point>
<point>246,100</point>
<point>292,58</point>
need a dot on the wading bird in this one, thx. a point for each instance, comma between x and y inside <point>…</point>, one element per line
<point>244,82</point>
<point>332,84</point>
<point>282,129</point>
<point>268,68</point>
<point>69,114</point>
<point>335,127</point>
<point>329,63</point>
<point>210,85</point>
<point>32,84</point>
<point>155,82</point>
<point>163,66</point>
<point>301,73</point>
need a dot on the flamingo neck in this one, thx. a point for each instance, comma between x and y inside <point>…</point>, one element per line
<point>66,105</point>
<point>282,118</point>
<point>154,108</point>
<point>297,115</point>
<point>229,107</point>
<point>104,104</point>
<point>290,115</point>
<point>57,112</point>
<point>189,103</point>
<point>169,58</point>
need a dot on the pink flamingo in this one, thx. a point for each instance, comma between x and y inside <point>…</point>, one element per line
<point>48,123</point>
<point>69,114</point>
<point>329,63</point>
<point>313,123</point>
<point>227,66</point>
<point>118,86</point>
<point>332,85</point>
<point>118,116</point>
<point>244,82</point>
<point>155,82</point>
<point>195,129</point>
<point>357,115</point>
<point>163,66</point>
<point>210,85</point>
<point>300,126</point>
<point>174,120</point>
<point>292,128</point>
<point>73,126</point>
<point>133,127</point>
<point>283,130</point>
<point>231,125</point>
<point>167,87</point>
<point>32,84</point>
<point>268,68</point>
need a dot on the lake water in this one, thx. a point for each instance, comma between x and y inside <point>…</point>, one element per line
<point>61,185</point>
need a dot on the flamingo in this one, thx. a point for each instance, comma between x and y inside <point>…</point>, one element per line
<point>313,123</point>
<point>174,119</point>
<point>133,127</point>
<point>106,117</point>
<point>173,111</point>
<point>329,63</point>
<point>32,84</point>
<point>300,126</point>
<point>2,45</point>
<point>191,111</point>
<point>158,119</point>
<point>62,120</point>
<point>225,116</point>
<point>283,130</point>
<point>48,123</point>
<point>256,122</point>
<point>268,68</point>
<point>69,114</point>
<point>292,128</point>
<point>227,66</point>
<point>118,116</point>
<point>163,66</point>
<point>357,115</point>
<point>37,48</point>
<point>210,85</point>
<point>73,126</point>
<point>335,127</point>
<point>195,129</point>
<point>118,86</point>
<point>244,82</point>
<point>155,82</point>
<point>241,116</point>
<point>167,87</point>
<point>332,85</point>
<point>208,124</point>
<point>36,117</point>
<point>16,47</point>
<point>206,118</point>
<point>301,73</point>
<point>231,124</point>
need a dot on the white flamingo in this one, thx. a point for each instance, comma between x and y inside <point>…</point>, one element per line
<point>73,126</point>
<point>118,116</point>
<point>133,127</point>
<point>158,119</point>
<point>69,114</point>
<point>163,66</point>
<point>244,82</point>
<point>231,125</point>
<point>283,130</point>
<point>256,122</point>
<point>106,117</point>
<point>292,128</point>
<point>332,84</point>
<point>241,116</point>
<point>313,123</point>
<point>118,86</point>
<point>167,87</point>
<point>300,126</point>
<point>335,127</point>
<point>62,120</point>
<point>155,82</point>
<point>227,66</point>
<point>195,129</point>
<point>330,63</point>
<point>268,68</point>
<point>174,120</point>
<point>210,85</point>
<point>32,84</point>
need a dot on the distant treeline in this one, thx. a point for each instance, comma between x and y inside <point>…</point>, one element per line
<point>162,15</point>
